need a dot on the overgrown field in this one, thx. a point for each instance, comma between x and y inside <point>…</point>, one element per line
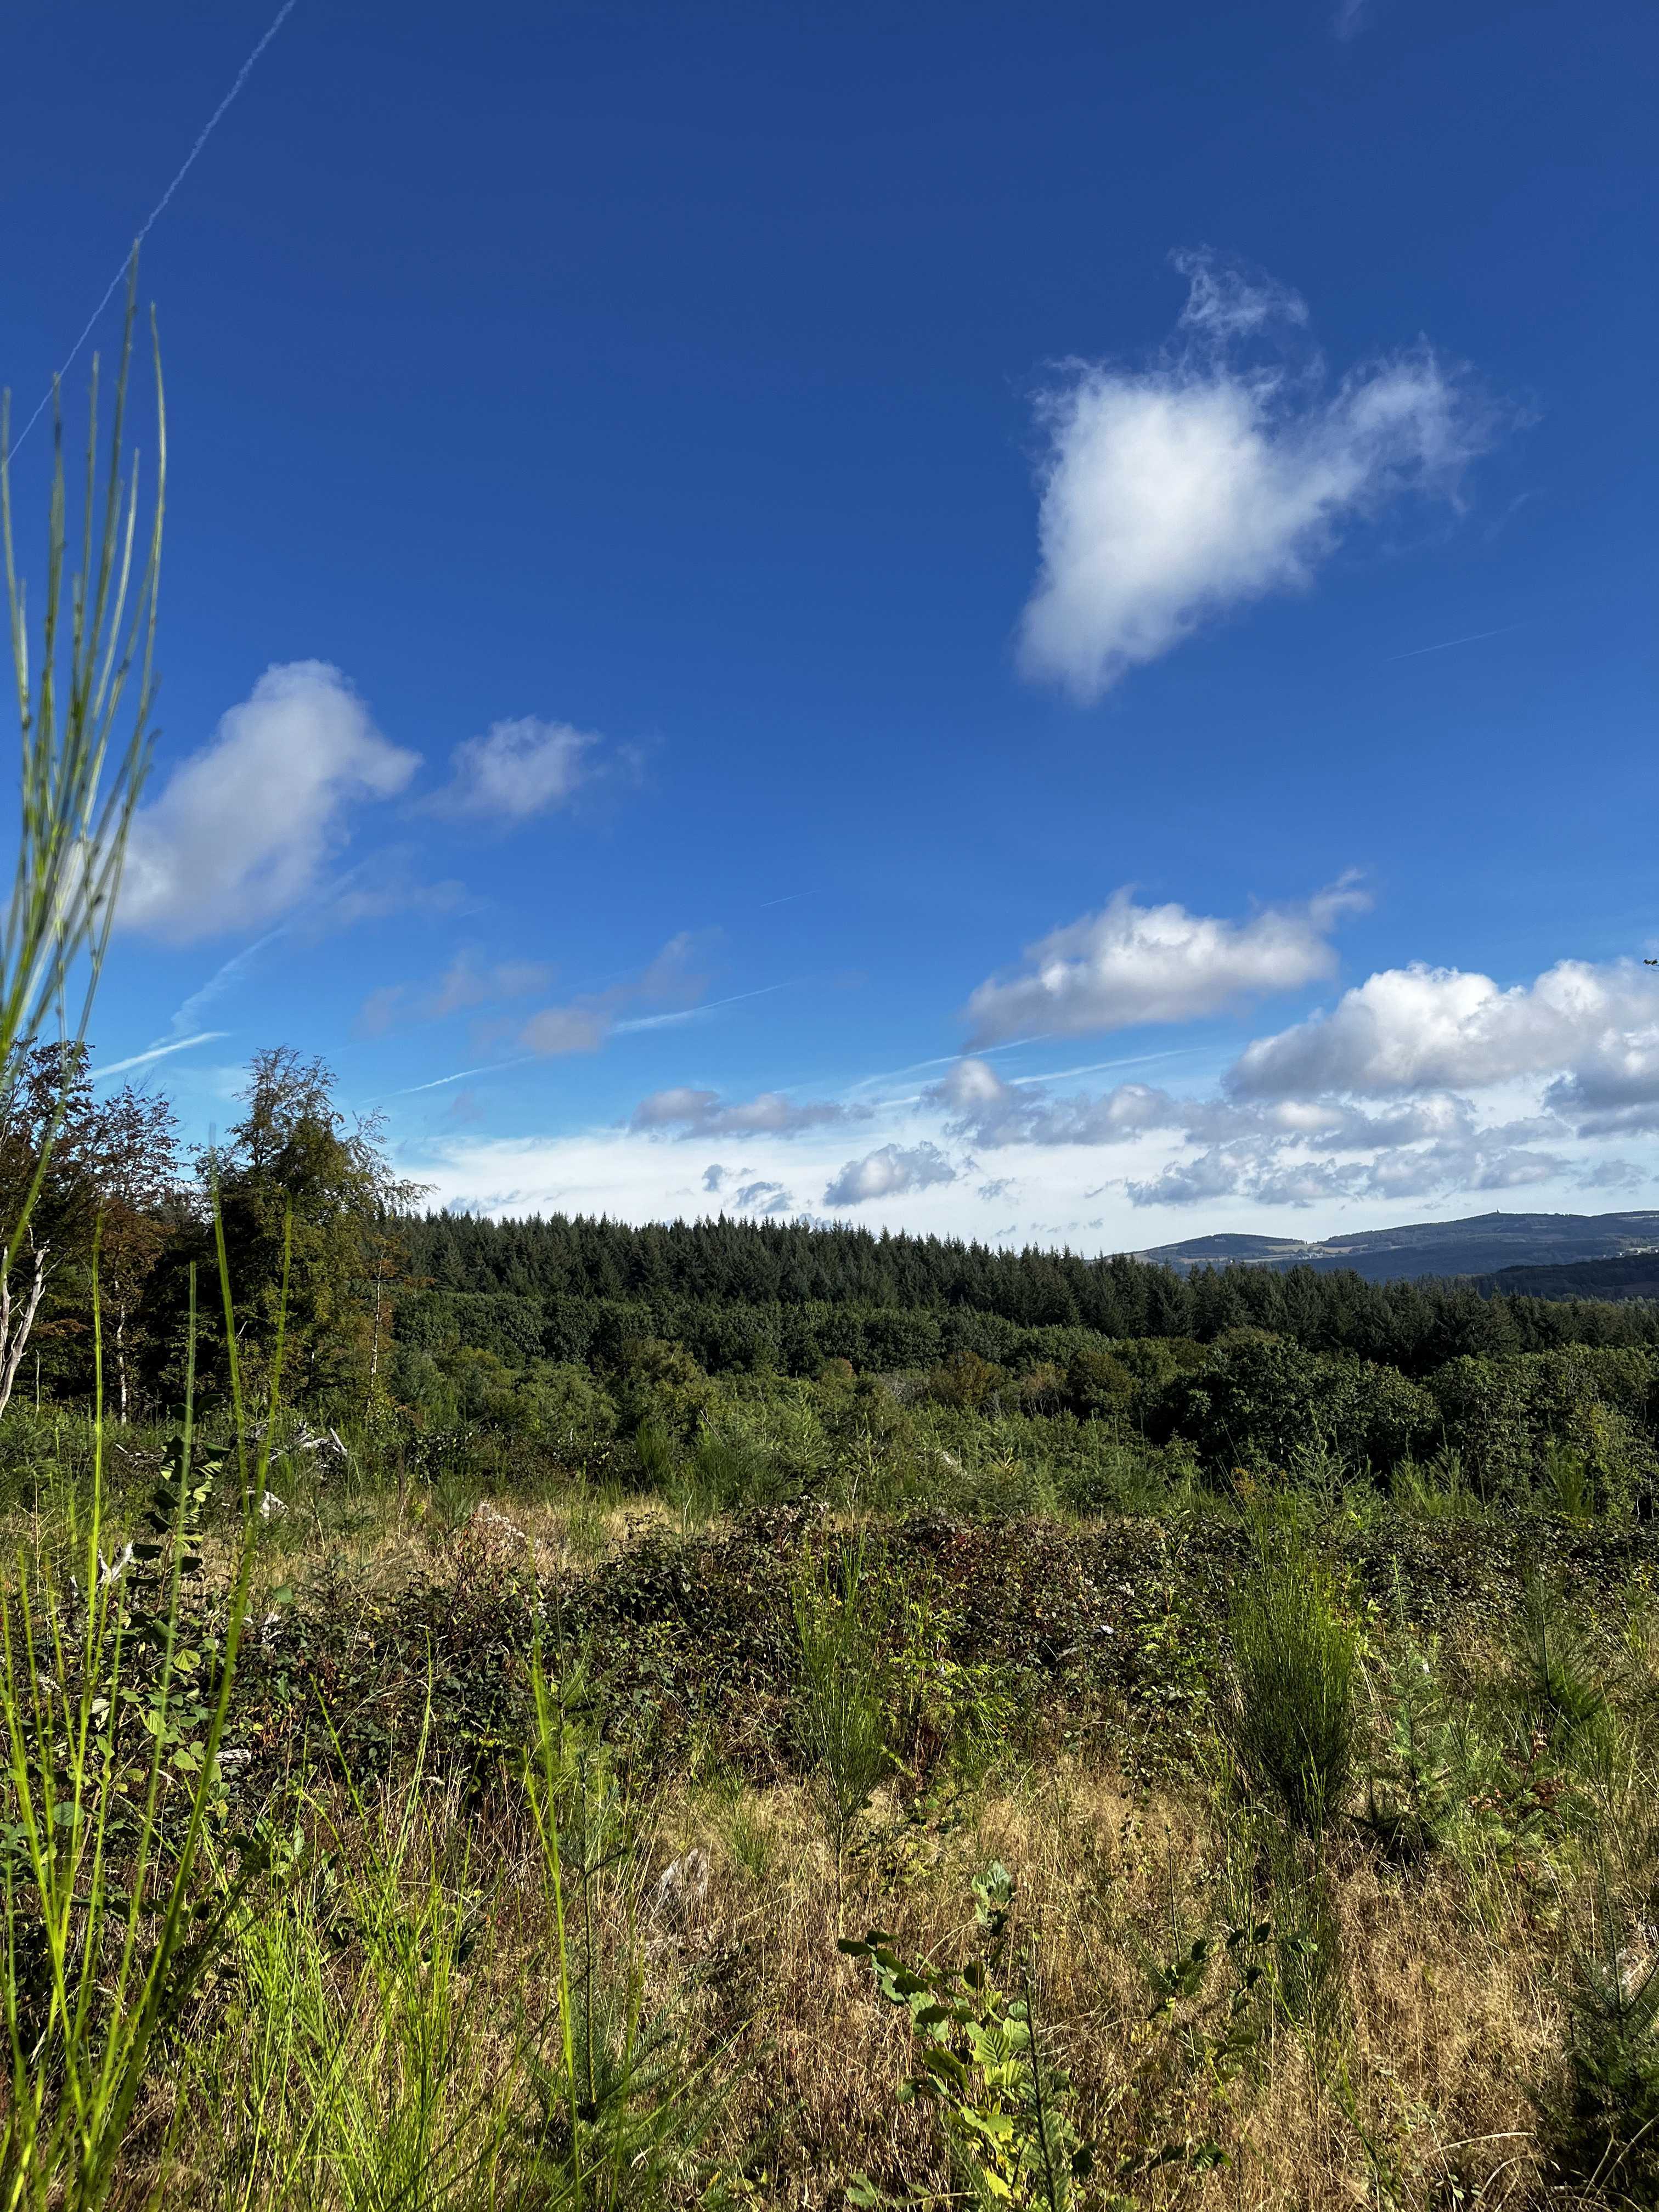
<point>795,1790</point>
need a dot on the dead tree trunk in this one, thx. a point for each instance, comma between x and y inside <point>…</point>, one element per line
<point>17,1318</point>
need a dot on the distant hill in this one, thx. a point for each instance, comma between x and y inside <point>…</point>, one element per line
<point>1633,1275</point>
<point>1489,1245</point>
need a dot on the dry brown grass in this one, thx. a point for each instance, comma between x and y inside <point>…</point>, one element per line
<point>1443,2019</point>
<point>1426,2089</point>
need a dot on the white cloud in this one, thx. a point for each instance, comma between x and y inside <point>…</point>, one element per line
<point>1130,963</point>
<point>893,1171</point>
<point>988,1112</point>
<point>243,831</point>
<point>1275,1175</point>
<point>735,1188</point>
<point>1171,493</point>
<point>1421,1028</point>
<point>518,769</point>
<point>691,1112</point>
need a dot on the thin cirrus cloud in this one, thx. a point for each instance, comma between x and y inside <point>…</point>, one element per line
<point>518,769</point>
<point>891,1171</point>
<point>1129,964</point>
<point>686,1112</point>
<point>675,979</point>
<point>466,984</point>
<point>246,830</point>
<point>1171,493</point>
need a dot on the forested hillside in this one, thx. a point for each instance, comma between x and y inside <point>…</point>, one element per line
<point>742,1294</point>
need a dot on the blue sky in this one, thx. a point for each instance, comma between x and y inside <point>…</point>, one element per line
<point>1025,620</point>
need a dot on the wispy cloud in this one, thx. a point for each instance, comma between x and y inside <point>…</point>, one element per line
<point>1174,493</point>
<point>461,1075</point>
<point>686,1113</point>
<point>584,1023</point>
<point>517,770</point>
<point>697,1013</point>
<point>466,984</point>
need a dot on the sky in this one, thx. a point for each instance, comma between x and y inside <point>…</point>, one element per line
<point>1027,622</point>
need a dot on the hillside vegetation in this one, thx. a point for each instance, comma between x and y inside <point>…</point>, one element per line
<point>552,1714</point>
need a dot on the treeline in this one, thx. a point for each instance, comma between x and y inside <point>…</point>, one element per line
<point>584,1344</point>
<point>743,1295</point>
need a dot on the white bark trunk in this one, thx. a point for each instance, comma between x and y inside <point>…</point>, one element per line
<point>16,1322</point>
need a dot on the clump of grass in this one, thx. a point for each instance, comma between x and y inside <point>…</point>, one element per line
<point>1292,1718</point>
<point>843,1694</point>
<point>115,1696</point>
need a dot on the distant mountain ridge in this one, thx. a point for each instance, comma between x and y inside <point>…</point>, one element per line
<point>1484,1244</point>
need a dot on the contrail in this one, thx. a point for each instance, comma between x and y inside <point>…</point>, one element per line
<point>459,1076</point>
<point>696,1013</point>
<point>151,220</point>
<point>1446,644</point>
<point>158,1052</point>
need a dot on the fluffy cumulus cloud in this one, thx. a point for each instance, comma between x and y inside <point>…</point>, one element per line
<point>245,830</point>
<point>1131,963</point>
<point>1594,1027</point>
<point>1171,493</point>
<point>517,769</point>
<point>686,1112</point>
<point>893,1171</point>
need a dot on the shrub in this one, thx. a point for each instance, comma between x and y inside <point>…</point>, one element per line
<point>1606,2130</point>
<point>661,1383</point>
<point>566,1409</point>
<point>1098,1383</point>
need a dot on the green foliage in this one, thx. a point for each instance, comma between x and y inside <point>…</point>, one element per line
<point>1259,1402</point>
<point>620,2112</point>
<point>844,1694</point>
<point>1292,1718</point>
<point>115,1706</point>
<point>300,1197</point>
<point>1557,1681</point>
<point>1435,1490</point>
<point>661,1384</point>
<point>1605,2131</point>
<point>1004,2109</point>
<point>1408,1786</point>
<point>569,1411</point>
<point>95,660</point>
